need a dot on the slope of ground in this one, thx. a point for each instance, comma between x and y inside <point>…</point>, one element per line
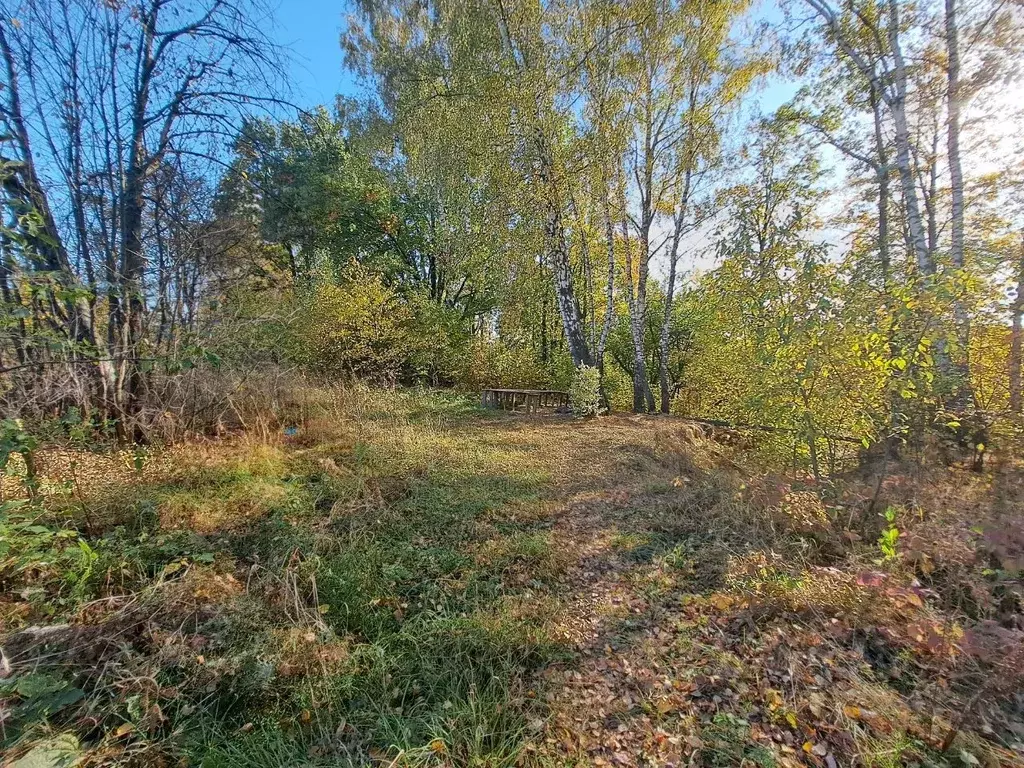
<point>403,579</point>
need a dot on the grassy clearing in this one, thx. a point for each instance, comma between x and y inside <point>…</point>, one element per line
<point>411,581</point>
<point>336,597</point>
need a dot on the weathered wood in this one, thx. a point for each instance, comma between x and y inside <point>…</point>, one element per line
<point>531,399</point>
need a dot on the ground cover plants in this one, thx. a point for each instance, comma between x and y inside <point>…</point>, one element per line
<point>401,578</point>
<point>766,258</point>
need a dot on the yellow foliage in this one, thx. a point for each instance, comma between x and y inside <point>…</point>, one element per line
<point>358,328</point>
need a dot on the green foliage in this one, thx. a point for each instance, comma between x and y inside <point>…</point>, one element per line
<point>438,343</point>
<point>53,564</point>
<point>357,328</point>
<point>15,440</point>
<point>585,392</point>
<point>499,364</point>
<point>40,695</point>
<point>349,325</point>
<point>307,191</point>
<point>767,338</point>
<point>888,542</point>
<point>789,336</point>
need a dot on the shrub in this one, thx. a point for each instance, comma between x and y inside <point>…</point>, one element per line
<point>438,342</point>
<point>497,364</point>
<point>358,328</point>
<point>585,391</point>
<point>352,325</point>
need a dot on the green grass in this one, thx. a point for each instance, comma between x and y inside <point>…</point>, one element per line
<point>373,537</point>
<point>727,742</point>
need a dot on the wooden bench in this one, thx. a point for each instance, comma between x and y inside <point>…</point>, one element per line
<point>533,399</point>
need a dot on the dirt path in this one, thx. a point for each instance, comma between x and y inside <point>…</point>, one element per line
<point>619,519</point>
<point>707,632</point>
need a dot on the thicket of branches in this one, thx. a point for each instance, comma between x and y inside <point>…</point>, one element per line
<point>115,117</point>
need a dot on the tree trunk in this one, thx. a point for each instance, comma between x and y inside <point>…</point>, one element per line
<point>77,311</point>
<point>956,174</point>
<point>558,255</point>
<point>883,190</point>
<point>897,102</point>
<point>11,300</point>
<point>589,304</point>
<point>133,257</point>
<point>892,88</point>
<point>643,398</point>
<point>609,291</point>
<point>647,219</point>
<point>666,321</point>
<point>636,320</point>
<point>609,309</point>
<point>930,196</point>
<point>133,303</point>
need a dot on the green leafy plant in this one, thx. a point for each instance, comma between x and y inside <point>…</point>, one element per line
<point>39,557</point>
<point>585,392</point>
<point>38,695</point>
<point>15,439</point>
<point>889,540</point>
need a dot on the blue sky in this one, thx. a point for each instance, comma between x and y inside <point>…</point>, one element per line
<point>310,30</point>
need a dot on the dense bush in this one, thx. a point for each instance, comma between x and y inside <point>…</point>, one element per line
<point>355,328</point>
<point>349,326</point>
<point>497,364</point>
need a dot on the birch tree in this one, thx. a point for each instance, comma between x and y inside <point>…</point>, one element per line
<point>715,79</point>
<point>870,36</point>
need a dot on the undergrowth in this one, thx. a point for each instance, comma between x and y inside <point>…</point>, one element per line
<point>331,597</point>
<point>400,578</point>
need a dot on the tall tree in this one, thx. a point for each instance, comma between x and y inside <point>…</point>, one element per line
<point>715,79</point>
<point>678,72</point>
<point>110,97</point>
<point>870,36</point>
<point>1016,358</point>
<point>504,61</point>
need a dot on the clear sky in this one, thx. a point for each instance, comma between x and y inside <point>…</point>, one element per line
<point>310,30</point>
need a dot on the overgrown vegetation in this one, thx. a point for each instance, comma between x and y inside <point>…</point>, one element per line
<point>411,580</point>
<point>251,515</point>
<point>526,190</point>
<point>333,597</point>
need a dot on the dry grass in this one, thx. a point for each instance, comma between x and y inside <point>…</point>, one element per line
<point>410,581</point>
